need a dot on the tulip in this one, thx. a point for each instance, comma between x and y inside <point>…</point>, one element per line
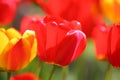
<point>16,51</point>
<point>59,41</point>
<point>7,11</point>
<point>25,76</point>
<point>81,10</point>
<point>111,10</point>
<point>107,44</point>
<point>113,54</point>
<point>100,38</point>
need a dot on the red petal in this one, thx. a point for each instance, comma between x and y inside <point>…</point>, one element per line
<point>25,76</point>
<point>114,54</point>
<point>100,37</point>
<point>7,6</point>
<point>70,48</point>
<point>55,35</point>
<point>14,58</point>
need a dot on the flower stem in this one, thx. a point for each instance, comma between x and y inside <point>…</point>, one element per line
<point>108,73</point>
<point>65,72</point>
<point>37,72</point>
<point>8,75</point>
<point>51,72</point>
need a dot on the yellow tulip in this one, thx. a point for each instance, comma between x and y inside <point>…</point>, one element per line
<point>111,10</point>
<point>16,50</point>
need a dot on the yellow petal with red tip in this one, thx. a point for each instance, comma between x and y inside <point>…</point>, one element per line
<point>4,57</point>
<point>12,33</point>
<point>19,52</point>
<point>3,41</point>
<point>29,38</point>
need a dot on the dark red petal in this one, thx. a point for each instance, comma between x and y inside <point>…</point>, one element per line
<point>114,54</point>
<point>70,48</point>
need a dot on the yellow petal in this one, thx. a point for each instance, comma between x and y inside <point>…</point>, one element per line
<point>11,43</point>
<point>29,36</point>
<point>4,62</point>
<point>109,1</point>
<point>118,1</point>
<point>111,10</point>
<point>29,49</point>
<point>3,41</point>
<point>30,45</point>
<point>12,33</point>
<point>33,50</point>
<point>2,29</point>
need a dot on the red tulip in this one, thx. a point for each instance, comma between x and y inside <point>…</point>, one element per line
<point>59,41</point>
<point>25,76</point>
<point>81,10</point>
<point>107,42</point>
<point>7,11</point>
<point>100,37</point>
<point>113,55</point>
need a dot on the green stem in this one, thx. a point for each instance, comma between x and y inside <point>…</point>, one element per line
<point>108,73</point>
<point>51,72</point>
<point>8,75</point>
<point>65,72</point>
<point>37,72</point>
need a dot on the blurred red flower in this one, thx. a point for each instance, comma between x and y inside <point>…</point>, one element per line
<point>107,43</point>
<point>7,11</point>
<point>113,54</point>
<point>59,41</point>
<point>84,11</point>
<point>25,76</point>
<point>100,38</point>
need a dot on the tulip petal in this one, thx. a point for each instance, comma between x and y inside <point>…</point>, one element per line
<point>113,55</point>
<point>7,11</point>
<point>25,76</point>
<point>69,48</point>
<point>3,41</point>
<point>65,50</point>
<point>12,33</point>
<point>18,53</point>
<point>55,35</point>
<point>100,37</point>
<point>81,44</point>
<point>5,55</point>
<point>29,37</point>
